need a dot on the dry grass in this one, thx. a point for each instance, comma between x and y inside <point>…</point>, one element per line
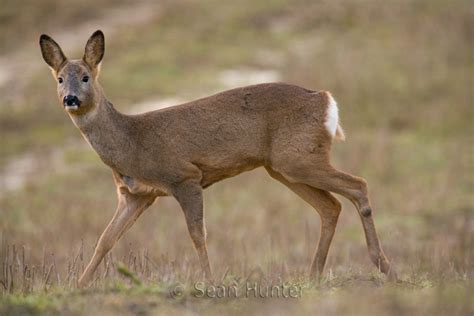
<point>401,72</point>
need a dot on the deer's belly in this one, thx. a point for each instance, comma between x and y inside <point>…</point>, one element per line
<point>212,174</point>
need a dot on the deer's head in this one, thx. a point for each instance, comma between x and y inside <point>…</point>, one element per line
<point>78,90</point>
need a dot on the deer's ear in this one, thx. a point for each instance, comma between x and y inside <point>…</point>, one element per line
<point>95,48</point>
<point>52,53</point>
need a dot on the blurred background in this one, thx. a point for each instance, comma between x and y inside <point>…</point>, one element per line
<point>401,71</point>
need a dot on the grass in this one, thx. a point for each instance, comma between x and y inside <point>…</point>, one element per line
<point>422,297</point>
<point>400,72</point>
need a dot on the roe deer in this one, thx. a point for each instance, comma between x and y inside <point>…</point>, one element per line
<point>179,151</point>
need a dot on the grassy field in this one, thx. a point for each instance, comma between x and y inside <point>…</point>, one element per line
<point>402,74</point>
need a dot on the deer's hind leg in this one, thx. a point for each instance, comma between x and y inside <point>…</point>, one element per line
<point>328,208</point>
<point>316,171</point>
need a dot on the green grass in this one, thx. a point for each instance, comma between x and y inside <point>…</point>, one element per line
<point>420,297</point>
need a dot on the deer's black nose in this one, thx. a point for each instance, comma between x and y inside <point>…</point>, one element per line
<point>71,100</point>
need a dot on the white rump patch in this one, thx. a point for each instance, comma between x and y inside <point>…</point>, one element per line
<point>332,116</point>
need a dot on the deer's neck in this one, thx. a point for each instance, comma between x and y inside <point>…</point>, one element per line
<point>107,131</point>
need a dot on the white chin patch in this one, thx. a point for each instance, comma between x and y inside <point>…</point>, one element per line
<point>71,107</point>
<point>332,116</point>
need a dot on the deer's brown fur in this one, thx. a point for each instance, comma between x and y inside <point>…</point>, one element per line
<point>181,150</point>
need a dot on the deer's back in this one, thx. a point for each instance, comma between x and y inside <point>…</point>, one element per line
<point>233,131</point>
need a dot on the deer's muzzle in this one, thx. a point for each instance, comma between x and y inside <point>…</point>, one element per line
<point>71,102</point>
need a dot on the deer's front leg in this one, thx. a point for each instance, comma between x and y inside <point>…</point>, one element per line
<point>189,196</point>
<point>129,208</point>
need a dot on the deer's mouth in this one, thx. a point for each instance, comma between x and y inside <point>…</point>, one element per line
<point>72,107</point>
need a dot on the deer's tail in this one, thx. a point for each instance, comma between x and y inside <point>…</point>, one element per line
<point>332,119</point>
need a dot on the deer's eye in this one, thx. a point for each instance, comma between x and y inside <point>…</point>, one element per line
<point>85,79</point>
<point>60,80</point>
